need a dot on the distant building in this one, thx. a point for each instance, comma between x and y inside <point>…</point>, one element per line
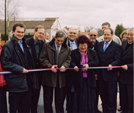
<point>65,30</point>
<point>49,24</point>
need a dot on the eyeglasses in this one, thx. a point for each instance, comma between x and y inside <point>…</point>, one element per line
<point>93,35</point>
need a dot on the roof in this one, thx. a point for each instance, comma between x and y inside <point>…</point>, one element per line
<point>83,33</point>
<point>47,23</point>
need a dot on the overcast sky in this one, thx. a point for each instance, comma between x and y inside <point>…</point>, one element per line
<point>73,13</point>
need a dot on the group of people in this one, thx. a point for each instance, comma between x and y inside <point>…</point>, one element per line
<point>75,71</point>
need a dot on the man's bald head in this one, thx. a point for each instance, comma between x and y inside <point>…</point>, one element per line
<point>46,36</point>
<point>93,34</point>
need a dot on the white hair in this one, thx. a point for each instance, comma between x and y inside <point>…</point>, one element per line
<point>93,30</point>
<point>130,29</point>
<point>72,28</point>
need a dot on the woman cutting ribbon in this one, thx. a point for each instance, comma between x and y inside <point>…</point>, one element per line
<point>84,100</point>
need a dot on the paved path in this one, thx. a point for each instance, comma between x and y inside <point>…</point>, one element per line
<point>41,109</point>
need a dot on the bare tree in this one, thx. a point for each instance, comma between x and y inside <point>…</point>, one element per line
<point>11,11</point>
<point>86,29</point>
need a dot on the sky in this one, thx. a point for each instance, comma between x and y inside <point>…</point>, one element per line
<point>75,13</point>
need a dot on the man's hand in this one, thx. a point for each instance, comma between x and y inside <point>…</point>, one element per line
<point>24,71</point>
<point>62,69</point>
<point>54,68</point>
<point>76,68</point>
<point>125,67</point>
<point>85,67</point>
<point>109,67</point>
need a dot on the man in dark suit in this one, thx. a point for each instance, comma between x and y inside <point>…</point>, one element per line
<point>71,39</point>
<point>71,42</point>
<point>126,73</point>
<point>109,53</point>
<point>36,44</point>
<point>93,34</point>
<point>114,38</point>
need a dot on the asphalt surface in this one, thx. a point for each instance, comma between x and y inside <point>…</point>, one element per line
<point>41,109</point>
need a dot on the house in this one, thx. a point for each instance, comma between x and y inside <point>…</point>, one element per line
<point>83,33</point>
<point>50,25</point>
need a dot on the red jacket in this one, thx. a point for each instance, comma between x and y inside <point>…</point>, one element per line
<point>2,80</point>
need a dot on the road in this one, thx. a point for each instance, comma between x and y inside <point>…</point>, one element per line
<point>41,109</point>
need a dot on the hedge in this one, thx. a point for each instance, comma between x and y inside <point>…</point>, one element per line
<point>3,36</point>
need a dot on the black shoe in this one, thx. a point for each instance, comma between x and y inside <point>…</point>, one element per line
<point>120,109</point>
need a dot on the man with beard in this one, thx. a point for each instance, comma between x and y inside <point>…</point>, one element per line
<point>93,34</point>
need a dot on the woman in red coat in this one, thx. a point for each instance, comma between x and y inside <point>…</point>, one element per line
<point>3,100</point>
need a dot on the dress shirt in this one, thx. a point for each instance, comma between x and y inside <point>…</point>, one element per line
<point>21,45</point>
<point>107,44</point>
<point>59,47</point>
<point>73,45</point>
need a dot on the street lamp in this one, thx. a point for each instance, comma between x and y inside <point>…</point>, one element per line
<point>5,21</point>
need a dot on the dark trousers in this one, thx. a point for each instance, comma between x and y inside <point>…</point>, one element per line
<point>3,100</point>
<point>126,97</point>
<point>120,94</point>
<point>48,99</point>
<point>35,94</point>
<point>97,91</point>
<point>108,93</point>
<point>19,102</point>
<point>71,101</point>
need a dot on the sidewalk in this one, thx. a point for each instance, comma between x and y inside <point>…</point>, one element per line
<point>100,106</point>
<point>41,109</point>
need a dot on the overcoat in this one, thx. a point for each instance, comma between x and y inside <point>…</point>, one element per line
<point>48,58</point>
<point>36,76</point>
<point>126,76</point>
<point>12,61</point>
<point>78,76</point>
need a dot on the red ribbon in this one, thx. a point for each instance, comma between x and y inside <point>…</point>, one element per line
<point>47,69</point>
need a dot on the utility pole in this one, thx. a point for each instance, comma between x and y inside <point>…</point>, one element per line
<point>5,22</point>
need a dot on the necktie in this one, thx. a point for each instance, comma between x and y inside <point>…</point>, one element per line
<point>57,55</point>
<point>92,46</point>
<point>57,51</point>
<point>105,46</point>
<point>71,46</point>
